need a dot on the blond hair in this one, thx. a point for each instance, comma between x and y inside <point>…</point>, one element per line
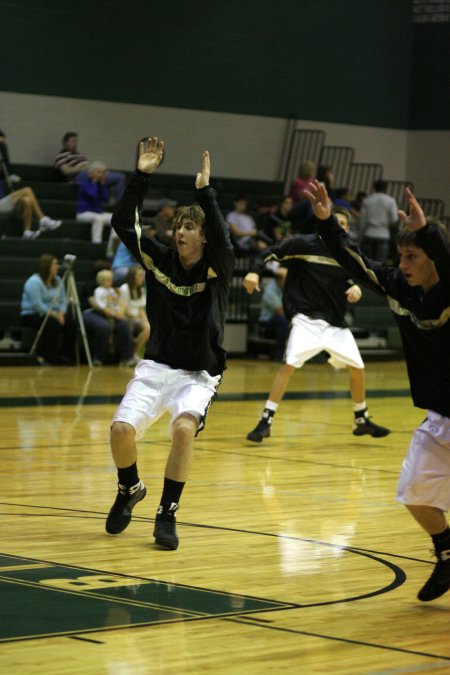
<point>103,275</point>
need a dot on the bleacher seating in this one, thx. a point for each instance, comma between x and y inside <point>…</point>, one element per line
<point>373,325</point>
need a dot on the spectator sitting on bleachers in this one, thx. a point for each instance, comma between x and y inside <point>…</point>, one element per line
<point>25,202</point>
<point>121,264</point>
<point>243,228</point>
<point>72,166</point>
<point>343,199</point>
<point>160,226</point>
<point>23,199</point>
<point>278,223</point>
<point>88,288</point>
<point>106,321</point>
<point>303,181</point>
<point>44,296</point>
<point>134,296</point>
<point>325,175</point>
<point>91,197</point>
<point>10,176</point>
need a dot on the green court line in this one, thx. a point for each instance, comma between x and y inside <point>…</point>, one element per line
<point>33,401</point>
<point>45,599</point>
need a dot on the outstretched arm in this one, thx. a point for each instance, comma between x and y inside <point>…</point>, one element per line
<point>150,154</point>
<point>219,247</point>
<point>127,215</point>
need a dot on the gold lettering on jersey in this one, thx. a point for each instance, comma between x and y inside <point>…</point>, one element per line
<point>317,259</point>
<point>162,278</point>
<point>370,273</point>
<point>394,305</point>
<point>424,324</point>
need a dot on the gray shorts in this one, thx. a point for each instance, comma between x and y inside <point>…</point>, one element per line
<point>157,388</point>
<point>425,476</point>
<point>6,205</point>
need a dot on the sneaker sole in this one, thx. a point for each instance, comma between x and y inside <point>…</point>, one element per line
<point>257,438</point>
<point>381,434</point>
<point>166,544</point>
<point>118,531</point>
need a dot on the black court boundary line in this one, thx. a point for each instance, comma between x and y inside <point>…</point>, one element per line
<point>100,515</point>
<point>362,643</point>
<point>296,460</point>
<point>259,623</point>
<point>248,446</point>
<point>32,401</point>
<point>399,574</point>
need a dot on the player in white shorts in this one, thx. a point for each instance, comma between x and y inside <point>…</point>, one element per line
<point>418,294</point>
<point>187,295</point>
<point>315,296</point>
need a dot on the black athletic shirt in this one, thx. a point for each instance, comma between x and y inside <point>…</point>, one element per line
<point>423,318</point>
<point>186,309</point>
<point>315,284</point>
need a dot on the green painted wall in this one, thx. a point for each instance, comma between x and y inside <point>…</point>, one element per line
<point>430,93</point>
<point>346,61</point>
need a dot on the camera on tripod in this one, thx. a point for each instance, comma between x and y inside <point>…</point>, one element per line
<point>69,261</point>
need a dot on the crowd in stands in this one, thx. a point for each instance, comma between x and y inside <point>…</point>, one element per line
<point>111,324</point>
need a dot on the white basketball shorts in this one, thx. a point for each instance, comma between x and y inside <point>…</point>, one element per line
<point>157,388</point>
<point>309,337</point>
<point>425,476</point>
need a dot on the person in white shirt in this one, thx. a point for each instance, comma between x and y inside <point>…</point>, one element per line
<point>108,304</point>
<point>134,296</point>
<point>379,217</point>
<point>243,227</point>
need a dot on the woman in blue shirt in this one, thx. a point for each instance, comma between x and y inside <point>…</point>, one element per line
<point>43,293</point>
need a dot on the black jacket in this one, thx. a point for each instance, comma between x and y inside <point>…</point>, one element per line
<point>423,318</point>
<point>186,309</point>
<point>315,284</point>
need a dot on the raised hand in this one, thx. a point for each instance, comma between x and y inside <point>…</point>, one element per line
<point>202,179</point>
<point>353,293</point>
<point>150,154</point>
<point>320,201</point>
<point>416,218</point>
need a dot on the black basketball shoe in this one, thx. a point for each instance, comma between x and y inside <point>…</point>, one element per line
<point>364,425</point>
<point>120,514</point>
<point>262,430</point>
<point>439,582</point>
<point>165,531</point>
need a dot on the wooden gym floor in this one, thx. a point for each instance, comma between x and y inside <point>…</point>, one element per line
<point>294,556</point>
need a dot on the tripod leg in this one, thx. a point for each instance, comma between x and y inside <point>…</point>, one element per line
<point>73,295</point>
<point>43,324</point>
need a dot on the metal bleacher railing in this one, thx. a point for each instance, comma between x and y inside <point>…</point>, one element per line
<point>303,144</point>
<point>340,158</point>
<point>309,144</point>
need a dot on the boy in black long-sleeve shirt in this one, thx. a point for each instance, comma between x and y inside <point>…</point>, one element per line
<point>187,294</point>
<point>418,293</point>
<point>315,296</point>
